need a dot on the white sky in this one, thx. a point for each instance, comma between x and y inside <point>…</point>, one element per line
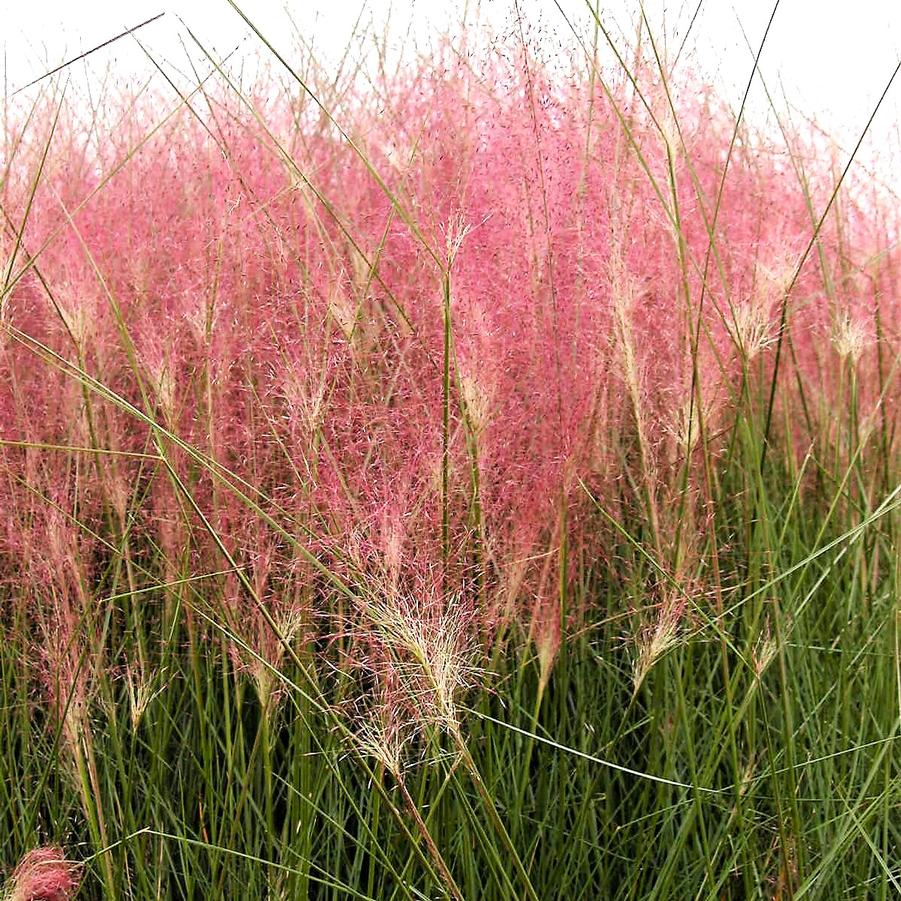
<point>832,58</point>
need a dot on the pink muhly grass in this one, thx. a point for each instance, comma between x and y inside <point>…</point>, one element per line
<point>43,874</point>
<point>299,345</point>
<point>271,620</point>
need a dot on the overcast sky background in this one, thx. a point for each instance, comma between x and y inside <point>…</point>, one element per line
<point>832,58</point>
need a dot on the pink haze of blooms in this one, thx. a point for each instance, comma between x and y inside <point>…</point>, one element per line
<point>249,283</point>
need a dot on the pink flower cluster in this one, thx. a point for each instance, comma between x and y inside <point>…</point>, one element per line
<point>44,874</point>
<point>411,343</point>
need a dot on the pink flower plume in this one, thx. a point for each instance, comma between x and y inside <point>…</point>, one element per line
<point>44,874</point>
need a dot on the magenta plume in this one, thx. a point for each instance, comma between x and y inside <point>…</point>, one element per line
<point>44,874</point>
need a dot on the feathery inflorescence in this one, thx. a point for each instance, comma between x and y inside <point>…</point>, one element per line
<point>43,874</point>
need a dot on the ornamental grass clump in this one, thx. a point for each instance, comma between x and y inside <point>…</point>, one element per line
<point>505,414</point>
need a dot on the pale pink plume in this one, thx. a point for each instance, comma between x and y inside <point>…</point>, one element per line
<point>44,874</point>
